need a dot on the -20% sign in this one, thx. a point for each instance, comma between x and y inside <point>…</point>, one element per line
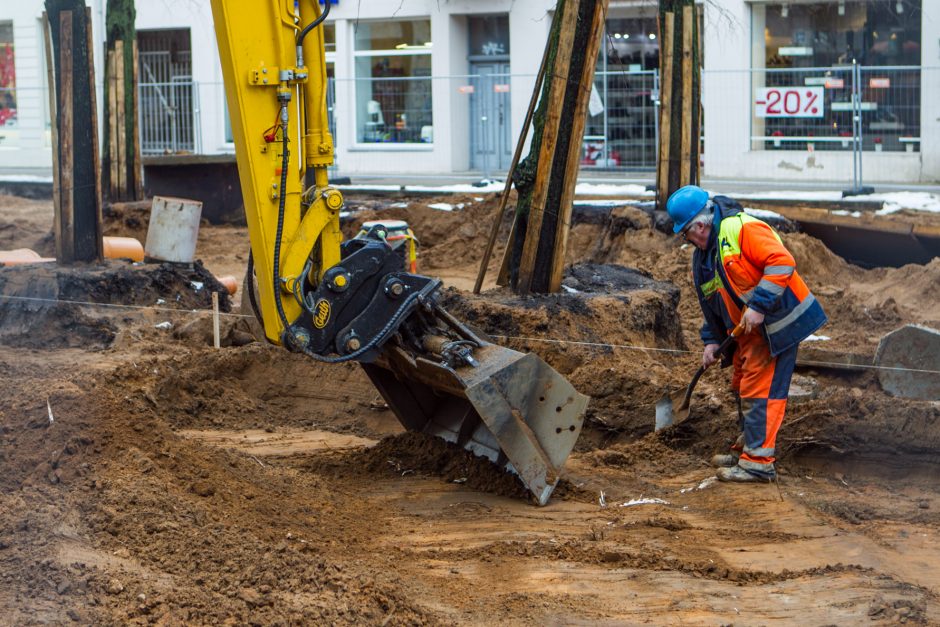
<point>789,102</point>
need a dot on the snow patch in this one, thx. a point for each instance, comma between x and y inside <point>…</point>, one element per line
<point>611,190</point>
<point>915,201</point>
<point>644,501</point>
<point>763,214</point>
<point>441,206</point>
<point>817,338</point>
<point>701,486</point>
<point>25,178</point>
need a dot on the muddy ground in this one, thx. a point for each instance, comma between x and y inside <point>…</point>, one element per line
<point>146,477</point>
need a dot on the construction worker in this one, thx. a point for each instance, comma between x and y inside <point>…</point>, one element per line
<point>742,271</point>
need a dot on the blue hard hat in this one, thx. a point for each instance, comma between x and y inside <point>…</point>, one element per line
<point>684,204</point>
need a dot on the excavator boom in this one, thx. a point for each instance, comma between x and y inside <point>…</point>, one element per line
<point>341,301</point>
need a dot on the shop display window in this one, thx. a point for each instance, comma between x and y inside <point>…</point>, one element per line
<point>393,82</point>
<point>7,76</point>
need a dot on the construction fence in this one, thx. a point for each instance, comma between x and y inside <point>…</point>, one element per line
<point>756,122</point>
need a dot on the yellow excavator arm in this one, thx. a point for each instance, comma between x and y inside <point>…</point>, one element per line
<point>340,301</point>
<point>275,79</point>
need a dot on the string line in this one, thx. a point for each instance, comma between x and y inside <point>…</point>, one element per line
<point>648,349</point>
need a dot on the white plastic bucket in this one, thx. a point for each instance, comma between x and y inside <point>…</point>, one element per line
<point>173,230</point>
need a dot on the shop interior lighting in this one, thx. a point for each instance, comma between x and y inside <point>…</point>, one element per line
<point>841,8</point>
<point>423,46</point>
<point>899,7</point>
<point>785,11</point>
<point>652,35</point>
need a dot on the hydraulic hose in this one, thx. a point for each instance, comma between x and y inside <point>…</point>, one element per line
<point>314,23</point>
<point>281,202</point>
<point>381,335</point>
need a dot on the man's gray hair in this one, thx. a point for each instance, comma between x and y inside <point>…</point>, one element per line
<point>705,216</point>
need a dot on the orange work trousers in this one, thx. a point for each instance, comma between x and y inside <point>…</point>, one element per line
<point>763,383</point>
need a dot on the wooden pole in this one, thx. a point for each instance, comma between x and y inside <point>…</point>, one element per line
<point>572,167</point>
<point>54,128</point>
<point>112,127</point>
<point>138,170</point>
<point>215,319</point>
<point>498,214</point>
<point>65,247</point>
<point>665,109</point>
<point>687,97</point>
<point>96,156</point>
<point>520,144</point>
<point>549,140</point>
<point>121,156</point>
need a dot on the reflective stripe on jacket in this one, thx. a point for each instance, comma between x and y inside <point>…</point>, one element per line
<point>756,270</point>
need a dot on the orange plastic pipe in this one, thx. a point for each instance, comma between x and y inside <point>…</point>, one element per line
<point>22,256</point>
<point>123,248</point>
<point>230,283</point>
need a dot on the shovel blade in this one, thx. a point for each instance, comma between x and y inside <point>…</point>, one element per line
<point>672,409</point>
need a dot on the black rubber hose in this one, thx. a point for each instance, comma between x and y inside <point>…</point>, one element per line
<point>314,24</point>
<point>250,286</point>
<point>282,199</point>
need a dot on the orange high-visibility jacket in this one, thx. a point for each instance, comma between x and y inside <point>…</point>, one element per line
<point>755,269</point>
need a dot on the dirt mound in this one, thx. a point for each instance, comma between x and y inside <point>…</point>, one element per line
<point>608,338</point>
<point>127,219</point>
<point>410,453</point>
<point>448,238</point>
<point>46,305</point>
<point>139,525</point>
<point>26,224</point>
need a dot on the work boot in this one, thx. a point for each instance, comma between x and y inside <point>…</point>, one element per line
<point>724,460</point>
<point>736,474</point>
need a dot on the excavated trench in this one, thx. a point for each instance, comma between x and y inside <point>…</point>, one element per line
<point>179,483</point>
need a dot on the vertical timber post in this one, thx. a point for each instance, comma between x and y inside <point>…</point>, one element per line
<point>79,208</point>
<point>680,111</point>
<point>122,138</point>
<point>546,178</point>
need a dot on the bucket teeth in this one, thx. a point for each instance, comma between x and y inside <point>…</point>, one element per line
<point>512,408</point>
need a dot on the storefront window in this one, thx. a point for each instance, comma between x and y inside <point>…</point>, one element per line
<point>7,76</point>
<point>621,128</point>
<point>393,82</point>
<point>874,32</point>
<point>808,56</point>
<point>329,37</point>
<point>489,36</point>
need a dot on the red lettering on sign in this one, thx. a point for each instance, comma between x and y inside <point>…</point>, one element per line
<point>773,102</point>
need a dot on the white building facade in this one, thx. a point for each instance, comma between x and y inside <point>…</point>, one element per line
<point>429,87</point>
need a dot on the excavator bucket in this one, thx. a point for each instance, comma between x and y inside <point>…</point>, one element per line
<point>511,408</point>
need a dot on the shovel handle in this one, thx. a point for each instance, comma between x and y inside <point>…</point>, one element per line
<point>736,332</point>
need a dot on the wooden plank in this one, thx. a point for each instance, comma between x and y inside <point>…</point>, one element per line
<point>112,128</point>
<point>502,278</point>
<point>572,166</point>
<point>138,171</point>
<point>687,96</point>
<point>54,128</point>
<point>520,144</point>
<point>697,102</point>
<point>121,119</point>
<point>665,110</point>
<point>96,155</point>
<point>65,249</point>
<point>559,83</point>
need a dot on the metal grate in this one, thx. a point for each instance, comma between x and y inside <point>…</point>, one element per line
<point>167,99</point>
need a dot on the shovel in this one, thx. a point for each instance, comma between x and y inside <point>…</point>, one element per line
<point>673,408</point>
